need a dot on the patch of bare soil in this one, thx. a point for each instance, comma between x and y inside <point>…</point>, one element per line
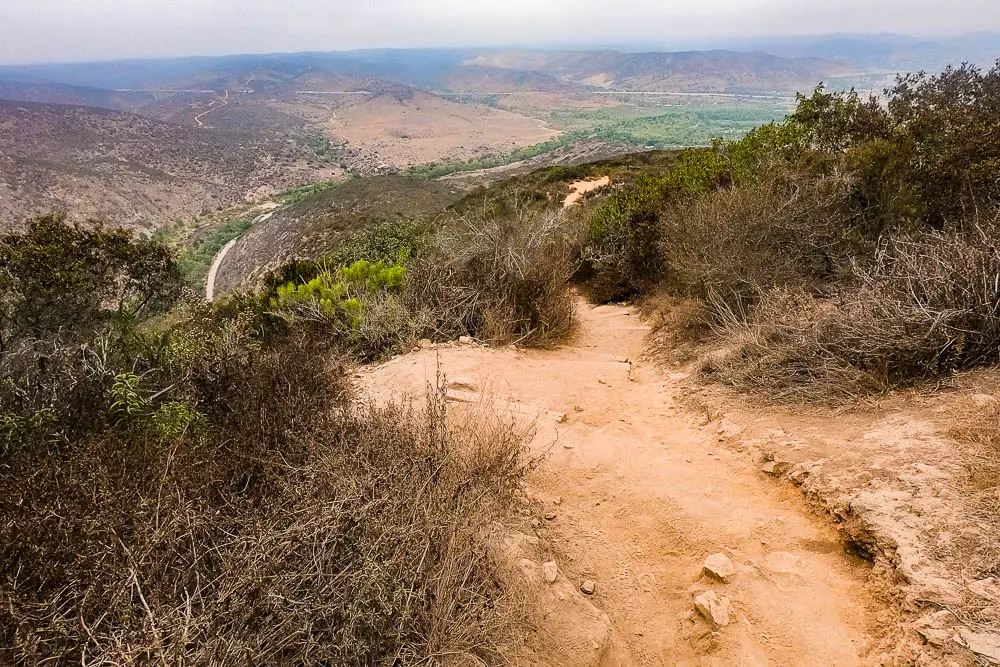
<point>416,128</point>
<point>902,490</point>
<point>635,495</point>
<point>581,188</point>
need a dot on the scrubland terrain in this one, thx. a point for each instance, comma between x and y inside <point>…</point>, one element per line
<point>288,121</point>
<point>129,169</point>
<point>411,128</point>
<point>734,404</point>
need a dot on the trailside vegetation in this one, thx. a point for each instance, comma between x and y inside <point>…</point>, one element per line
<point>847,250</point>
<point>195,483</point>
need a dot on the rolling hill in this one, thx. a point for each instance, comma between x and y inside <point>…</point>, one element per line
<point>130,169</point>
<point>691,71</point>
<point>146,142</point>
<point>480,71</point>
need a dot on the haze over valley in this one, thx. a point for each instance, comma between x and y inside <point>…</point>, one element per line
<point>150,142</point>
<point>476,334</point>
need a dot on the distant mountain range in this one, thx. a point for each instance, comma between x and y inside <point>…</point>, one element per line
<point>886,51</point>
<point>145,142</point>
<point>764,62</point>
<point>457,71</point>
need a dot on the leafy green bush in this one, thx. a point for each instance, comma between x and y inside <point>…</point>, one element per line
<point>63,281</point>
<point>928,157</point>
<point>394,241</point>
<point>339,298</point>
<point>621,255</point>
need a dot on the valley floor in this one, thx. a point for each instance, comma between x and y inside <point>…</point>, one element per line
<point>634,491</point>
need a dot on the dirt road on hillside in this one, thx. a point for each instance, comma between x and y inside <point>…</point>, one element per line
<point>640,494</point>
<point>222,102</point>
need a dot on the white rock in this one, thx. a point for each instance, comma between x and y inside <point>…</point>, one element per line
<point>936,628</point>
<point>983,644</point>
<point>988,589</point>
<point>550,571</point>
<point>466,340</point>
<point>799,474</point>
<point>588,587</point>
<point>715,608</point>
<point>719,566</point>
<point>777,468</point>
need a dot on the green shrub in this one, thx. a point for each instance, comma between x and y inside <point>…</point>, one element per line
<point>63,281</point>
<point>395,241</point>
<point>621,255</point>
<point>346,300</point>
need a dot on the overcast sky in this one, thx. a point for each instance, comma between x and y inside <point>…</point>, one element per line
<point>72,30</point>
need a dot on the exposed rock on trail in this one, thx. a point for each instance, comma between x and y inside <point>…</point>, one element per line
<point>645,494</point>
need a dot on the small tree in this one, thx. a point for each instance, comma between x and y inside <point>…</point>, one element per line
<point>64,281</point>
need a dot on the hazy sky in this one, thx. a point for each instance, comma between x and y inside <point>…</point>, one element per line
<point>58,30</point>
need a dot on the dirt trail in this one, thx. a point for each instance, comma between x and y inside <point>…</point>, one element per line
<point>642,494</point>
<point>581,188</point>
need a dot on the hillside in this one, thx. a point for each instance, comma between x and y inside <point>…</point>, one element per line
<point>406,127</point>
<point>692,71</point>
<point>738,404</point>
<point>319,222</point>
<point>486,80</point>
<point>57,93</point>
<point>128,169</point>
<point>481,71</point>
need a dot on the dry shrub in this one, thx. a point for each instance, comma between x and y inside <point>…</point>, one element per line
<point>926,305</point>
<point>679,326</point>
<point>776,352</point>
<point>287,527</point>
<point>500,278</point>
<point>977,429</point>
<point>733,246</point>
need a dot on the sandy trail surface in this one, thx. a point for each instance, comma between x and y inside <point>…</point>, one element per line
<point>581,188</point>
<point>639,494</point>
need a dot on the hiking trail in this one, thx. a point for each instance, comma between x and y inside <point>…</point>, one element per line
<point>640,493</point>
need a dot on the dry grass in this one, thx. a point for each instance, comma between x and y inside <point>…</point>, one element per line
<point>776,352</point>
<point>735,245</point>
<point>679,327</point>
<point>500,278</point>
<point>923,307</point>
<point>294,528</point>
<point>975,426</point>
